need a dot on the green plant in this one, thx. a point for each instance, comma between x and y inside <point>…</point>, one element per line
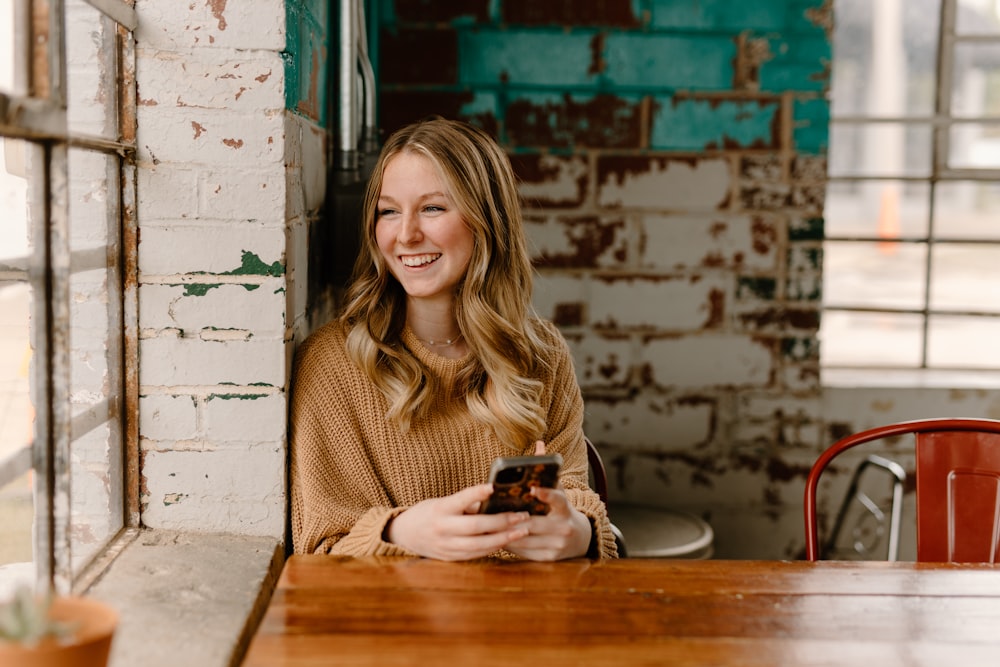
<point>24,619</point>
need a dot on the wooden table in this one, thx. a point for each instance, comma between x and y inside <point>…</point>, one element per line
<point>386,612</point>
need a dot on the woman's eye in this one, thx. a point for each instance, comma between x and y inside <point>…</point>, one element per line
<point>386,211</point>
<point>434,209</point>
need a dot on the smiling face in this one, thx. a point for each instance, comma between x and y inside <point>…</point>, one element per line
<point>421,234</point>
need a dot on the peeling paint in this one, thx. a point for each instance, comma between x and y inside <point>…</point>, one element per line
<point>822,17</point>
<point>606,121</point>
<point>597,62</point>
<point>750,55</point>
<point>765,236</point>
<point>237,397</point>
<point>201,289</point>
<point>218,11</point>
<point>173,498</point>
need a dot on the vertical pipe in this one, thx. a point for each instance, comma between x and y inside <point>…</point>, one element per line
<point>369,136</point>
<point>347,134</point>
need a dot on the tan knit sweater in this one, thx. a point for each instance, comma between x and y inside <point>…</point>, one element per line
<point>353,470</point>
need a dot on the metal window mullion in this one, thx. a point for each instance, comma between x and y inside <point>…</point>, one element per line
<point>129,280</point>
<point>59,335</point>
<point>940,148</point>
<point>49,272</point>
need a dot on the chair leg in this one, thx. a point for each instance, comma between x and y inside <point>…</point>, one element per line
<point>871,507</point>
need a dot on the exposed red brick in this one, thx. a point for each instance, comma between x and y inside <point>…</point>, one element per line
<point>568,315</point>
<point>597,62</point>
<point>419,11</point>
<point>402,107</point>
<point>782,318</point>
<point>419,56</point>
<point>765,236</point>
<point>617,13</point>
<point>589,236</point>
<point>618,167</point>
<point>529,169</point>
<point>717,309</point>
<point>606,121</point>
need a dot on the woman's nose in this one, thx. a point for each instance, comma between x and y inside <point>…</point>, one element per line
<point>409,230</point>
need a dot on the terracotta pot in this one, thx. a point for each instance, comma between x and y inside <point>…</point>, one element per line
<point>89,646</point>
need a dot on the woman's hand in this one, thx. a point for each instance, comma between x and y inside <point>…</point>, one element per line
<point>448,528</point>
<point>564,532</point>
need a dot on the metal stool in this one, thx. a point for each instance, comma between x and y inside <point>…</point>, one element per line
<point>656,532</point>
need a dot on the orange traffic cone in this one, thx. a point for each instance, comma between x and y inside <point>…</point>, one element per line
<point>888,221</point>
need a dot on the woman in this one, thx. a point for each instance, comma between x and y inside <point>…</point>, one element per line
<point>436,367</point>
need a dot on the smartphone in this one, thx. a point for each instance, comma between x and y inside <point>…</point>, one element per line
<point>513,477</point>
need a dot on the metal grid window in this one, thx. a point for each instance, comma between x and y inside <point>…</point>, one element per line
<point>912,250</point>
<point>67,122</point>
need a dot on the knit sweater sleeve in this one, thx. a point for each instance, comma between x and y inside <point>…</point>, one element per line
<point>338,504</point>
<point>565,436</point>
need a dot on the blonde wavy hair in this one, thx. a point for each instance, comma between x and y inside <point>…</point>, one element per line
<point>501,382</point>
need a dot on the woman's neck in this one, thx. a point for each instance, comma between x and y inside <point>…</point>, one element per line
<point>436,328</point>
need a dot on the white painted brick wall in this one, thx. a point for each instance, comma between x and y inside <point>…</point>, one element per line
<point>602,361</point>
<point>257,25</point>
<point>237,491</point>
<point>168,417</point>
<point>672,304</point>
<point>709,360</point>
<point>210,248</point>
<point>678,242</point>
<point>256,308</point>
<point>563,183</point>
<point>213,137</point>
<point>227,182</point>
<point>245,418</point>
<point>649,423</point>
<point>170,361</point>
<point>674,185</point>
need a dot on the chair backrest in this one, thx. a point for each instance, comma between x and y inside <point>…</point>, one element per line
<point>599,475</point>
<point>958,487</point>
<point>597,470</point>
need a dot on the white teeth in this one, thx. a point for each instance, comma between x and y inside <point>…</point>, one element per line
<point>418,260</point>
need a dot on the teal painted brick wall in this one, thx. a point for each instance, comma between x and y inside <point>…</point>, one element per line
<point>307,51</point>
<point>514,66</point>
<point>672,159</point>
<point>695,125</point>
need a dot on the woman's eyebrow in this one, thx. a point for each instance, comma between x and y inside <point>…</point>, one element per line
<point>428,195</point>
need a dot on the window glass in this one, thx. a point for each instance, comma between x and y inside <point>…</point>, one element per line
<point>871,339</point>
<point>964,342</point>
<point>880,149</point>
<point>966,277</point>
<point>903,234</point>
<point>977,17</point>
<point>874,275</point>
<point>875,39</point>
<point>887,209</point>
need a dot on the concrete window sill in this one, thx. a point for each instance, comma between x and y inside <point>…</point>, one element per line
<point>188,598</point>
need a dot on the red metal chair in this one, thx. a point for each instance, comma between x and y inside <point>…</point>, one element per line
<point>599,475</point>
<point>958,487</point>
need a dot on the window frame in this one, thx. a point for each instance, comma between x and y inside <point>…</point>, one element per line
<point>38,114</point>
<point>940,123</point>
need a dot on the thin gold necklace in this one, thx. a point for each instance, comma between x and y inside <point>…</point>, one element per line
<point>447,342</point>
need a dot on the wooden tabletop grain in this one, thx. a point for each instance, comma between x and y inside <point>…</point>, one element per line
<point>386,611</point>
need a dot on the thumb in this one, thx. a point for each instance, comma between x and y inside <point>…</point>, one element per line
<point>539,448</point>
<point>463,500</point>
